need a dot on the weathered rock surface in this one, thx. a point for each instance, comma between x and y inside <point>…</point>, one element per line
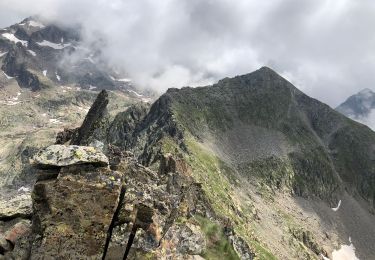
<point>183,239</point>
<point>121,130</point>
<point>171,232</point>
<point>15,204</point>
<point>73,213</point>
<point>15,239</point>
<point>65,135</point>
<point>95,124</point>
<point>61,155</point>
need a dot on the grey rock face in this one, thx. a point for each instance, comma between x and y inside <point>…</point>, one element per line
<point>95,124</point>
<point>61,155</point>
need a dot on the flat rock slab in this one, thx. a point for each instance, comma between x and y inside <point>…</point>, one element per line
<point>73,213</point>
<point>60,155</point>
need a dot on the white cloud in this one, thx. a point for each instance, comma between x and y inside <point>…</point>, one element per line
<point>324,46</point>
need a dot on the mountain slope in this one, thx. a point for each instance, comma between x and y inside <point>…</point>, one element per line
<point>247,168</point>
<point>257,134</point>
<point>360,107</point>
<point>260,116</point>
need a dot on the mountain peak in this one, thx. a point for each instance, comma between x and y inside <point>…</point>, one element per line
<point>266,72</point>
<point>366,92</point>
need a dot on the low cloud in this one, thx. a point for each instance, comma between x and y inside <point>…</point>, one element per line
<point>325,47</point>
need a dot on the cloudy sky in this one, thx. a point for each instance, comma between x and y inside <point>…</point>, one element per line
<point>325,47</point>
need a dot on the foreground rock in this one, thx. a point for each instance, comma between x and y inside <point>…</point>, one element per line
<point>61,155</point>
<point>15,239</point>
<point>15,204</point>
<point>73,213</point>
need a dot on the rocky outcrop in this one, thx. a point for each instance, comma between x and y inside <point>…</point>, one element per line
<point>61,155</point>
<point>15,204</point>
<point>156,217</point>
<point>95,125</point>
<point>14,65</point>
<point>73,213</point>
<point>122,128</point>
<point>184,239</point>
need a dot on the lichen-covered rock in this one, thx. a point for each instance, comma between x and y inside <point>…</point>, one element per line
<point>184,239</point>
<point>73,213</point>
<point>15,204</point>
<point>61,155</point>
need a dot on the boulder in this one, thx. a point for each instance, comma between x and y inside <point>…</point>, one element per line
<point>61,155</point>
<point>184,239</point>
<point>15,204</point>
<point>73,213</point>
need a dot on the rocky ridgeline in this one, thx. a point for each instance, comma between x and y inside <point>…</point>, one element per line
<point>85,210</point>
<point>98,202</point>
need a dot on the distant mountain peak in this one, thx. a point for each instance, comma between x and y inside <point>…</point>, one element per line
<point>366,92</point>
<point>360,107</point>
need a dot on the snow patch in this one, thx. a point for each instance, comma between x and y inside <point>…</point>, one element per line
<point>23,189</point>
<point>146,100</point>
<point>3,53</point>
<point>35,24</point>
<point>90,60</point>
<point>338,206</point>
<point>135,93</point>
<point>56,46</point>
<point>55,121</point>
<point>8,77</point>
<point>16,97</point>
<point>45,73</point>
<point>346,252</point>
<point>32,52</point>
<point>124,80</point>
<point>10,103</point>
<point>85,109</point>
<point>58,77</point>
<point>11,37</point>
<point>92,87</point>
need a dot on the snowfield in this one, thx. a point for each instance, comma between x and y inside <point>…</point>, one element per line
<point>11,37</point>
<point>56,46</point>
